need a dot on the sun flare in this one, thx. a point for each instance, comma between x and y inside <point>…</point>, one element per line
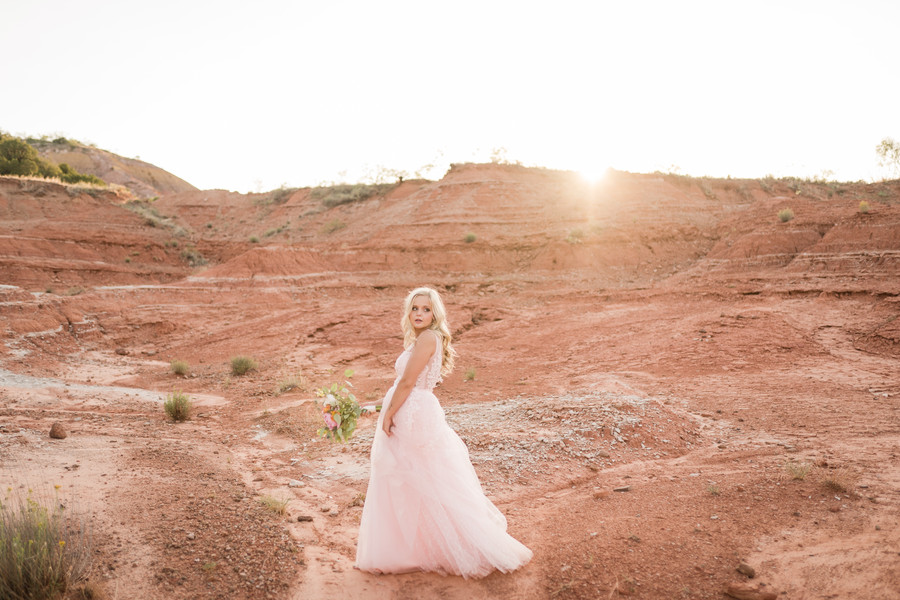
<point>594,174</point>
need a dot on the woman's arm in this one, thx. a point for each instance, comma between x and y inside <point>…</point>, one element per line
<point>424,348</point>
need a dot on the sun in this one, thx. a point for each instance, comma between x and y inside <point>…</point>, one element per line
<point>594,173</point>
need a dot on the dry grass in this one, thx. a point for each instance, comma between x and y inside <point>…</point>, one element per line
<point>275,505</point>
<point>839,480</point>
<point>45,548</point>
<point>797,470</point>
<point>180,367</point>
<point>294,382</point>
<point>241,365</point>
<point>785,215</point>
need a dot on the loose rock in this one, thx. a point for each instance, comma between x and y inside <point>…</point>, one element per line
<point>57,431</point>
<point>745,569</point>
<point>304,518</point>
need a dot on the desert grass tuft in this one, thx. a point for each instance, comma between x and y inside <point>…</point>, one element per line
<point>180,367</point>
<point>241,365</point>
<point>470,374</point>
<point>864,207</point>
<point>294,382</point>
<point>469,238</point>
<point>838,480</point>
<point>785,215</point>
<point>332,226</point>
<point>178,406</point>
<point>797,470</point>
<point>275,505</point>
<point>45,548</point>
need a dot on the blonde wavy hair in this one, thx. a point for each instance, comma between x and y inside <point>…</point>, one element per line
<point>439,325</point>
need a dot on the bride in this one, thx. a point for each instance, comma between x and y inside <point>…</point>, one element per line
<point>425,509</point>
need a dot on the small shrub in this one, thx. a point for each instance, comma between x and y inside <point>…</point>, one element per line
<point>241,365</point>
<point>281,195</point>
<point>864,207</point>
<point>335,195</point>
<point>180,367</point>
<point>469,238</point>
<point>797,470</point>
<point>785,215</point>
<point>178,406</point>
<point>74,291</point>
<point>332,226</point>
<point>470,374</point>
<point>276,505</point>
<point>838,480</point>
<point>295,382</point>
<point>713,490</point>
<point>254,239</point>
<point>193,257</point>
<point>45,548</point>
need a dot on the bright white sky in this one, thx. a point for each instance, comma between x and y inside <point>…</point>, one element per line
<point>251,95</point>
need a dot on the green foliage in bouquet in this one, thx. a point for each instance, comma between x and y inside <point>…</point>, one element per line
<point>340,410</point>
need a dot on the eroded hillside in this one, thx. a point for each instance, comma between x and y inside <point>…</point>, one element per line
<point>664,336</point>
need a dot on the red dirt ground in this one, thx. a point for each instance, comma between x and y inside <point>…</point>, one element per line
<point>659,335</point>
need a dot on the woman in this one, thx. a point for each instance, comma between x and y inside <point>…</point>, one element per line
<point>425,509</point>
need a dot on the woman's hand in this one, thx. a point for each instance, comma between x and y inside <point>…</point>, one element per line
<point>386,424</point>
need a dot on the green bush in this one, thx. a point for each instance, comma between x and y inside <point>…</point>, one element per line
<point>178,406</point>
<point>864,207</point>
<point>241,365</point>
<point>18,157</point>
<point>469,238</point>
<point>45,548</point>
<point>785,215</point>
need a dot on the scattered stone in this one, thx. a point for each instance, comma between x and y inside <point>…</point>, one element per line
<point>304,518</point>
<point>294,483</point>
<point>746,591</point>
<point>624,488</point>
<point>745,569</point>
<point>333,513</point>
<point>57,431</point>
<point>325,508</point>
<point>121,351</point>
<point>602,454</point>
<point>191,535</point>
<point>601,494</point>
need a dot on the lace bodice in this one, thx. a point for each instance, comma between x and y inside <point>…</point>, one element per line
<point>430,375</point>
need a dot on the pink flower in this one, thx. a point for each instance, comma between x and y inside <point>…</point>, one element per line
<point>329,421</point>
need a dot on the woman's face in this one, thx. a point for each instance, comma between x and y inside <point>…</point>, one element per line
<point>420,314</point>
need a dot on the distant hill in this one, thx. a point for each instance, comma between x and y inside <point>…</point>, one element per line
<point>143,179</point>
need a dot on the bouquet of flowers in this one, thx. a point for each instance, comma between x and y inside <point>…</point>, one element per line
<point>340,410</point>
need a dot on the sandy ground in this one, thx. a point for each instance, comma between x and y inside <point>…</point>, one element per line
<point>664,381</point>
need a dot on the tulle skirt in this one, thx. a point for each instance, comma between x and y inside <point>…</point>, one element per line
<point>425,509</point>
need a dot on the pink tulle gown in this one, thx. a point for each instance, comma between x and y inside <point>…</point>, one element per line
<point>425,509</point>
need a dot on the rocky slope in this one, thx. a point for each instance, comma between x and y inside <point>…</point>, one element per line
<point>664,336</point>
